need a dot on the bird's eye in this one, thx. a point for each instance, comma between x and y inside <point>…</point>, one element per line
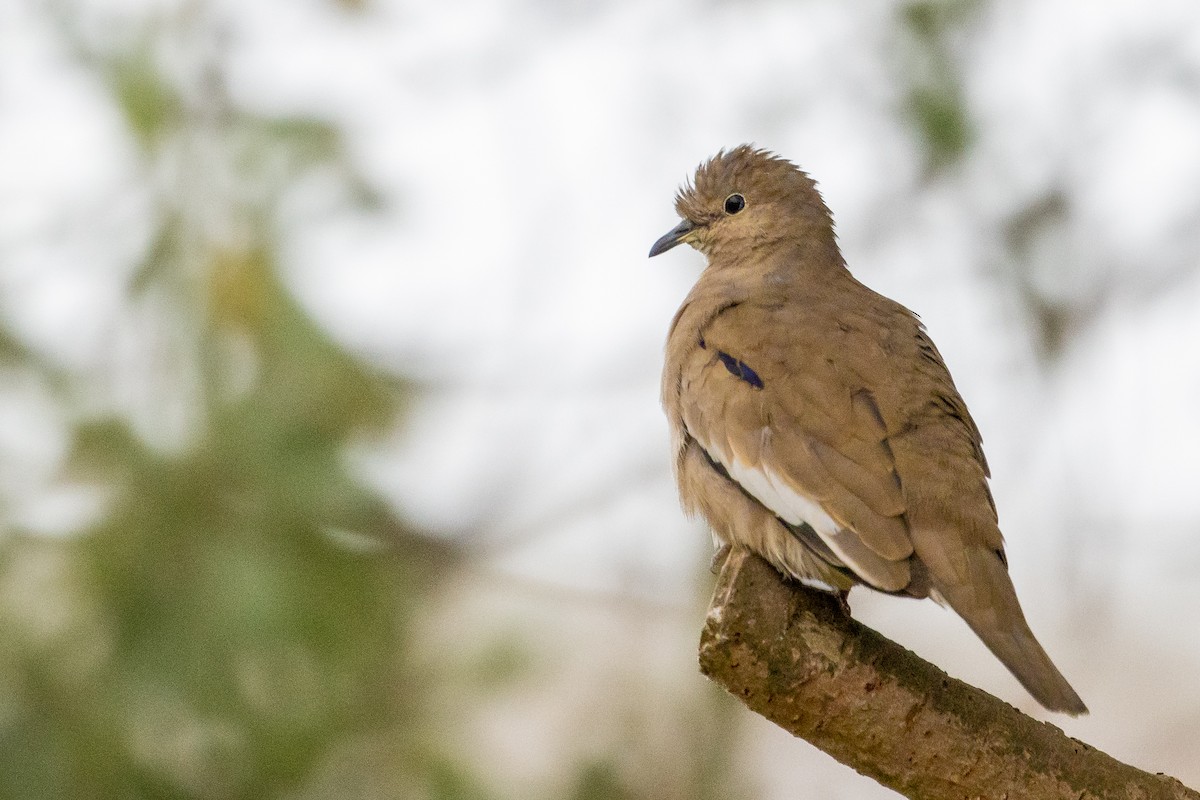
<point>734,203</point>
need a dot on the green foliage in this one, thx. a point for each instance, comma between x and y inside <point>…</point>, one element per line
<point>942,121</point>
<point>242,607</point>
<point>600,781</point>
<point>150,105</point>
<point>935,102</point>
<point>239,618</point>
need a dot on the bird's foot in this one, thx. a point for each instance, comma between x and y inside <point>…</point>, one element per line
<point>843,598</point>
<point>719,557</point>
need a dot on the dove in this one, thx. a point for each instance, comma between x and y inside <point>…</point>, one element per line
<point>814,422</point>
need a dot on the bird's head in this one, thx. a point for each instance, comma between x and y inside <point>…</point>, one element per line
<point>746,198</point>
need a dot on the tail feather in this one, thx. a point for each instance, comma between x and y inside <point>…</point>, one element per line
<point>988,603</point>
<point>1025,658</point>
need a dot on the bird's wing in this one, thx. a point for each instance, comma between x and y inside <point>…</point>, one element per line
<point>772,403</point>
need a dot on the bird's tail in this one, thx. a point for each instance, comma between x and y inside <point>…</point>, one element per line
<point>988,603</point>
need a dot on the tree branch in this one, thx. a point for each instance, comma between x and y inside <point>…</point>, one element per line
<point>793,655</point>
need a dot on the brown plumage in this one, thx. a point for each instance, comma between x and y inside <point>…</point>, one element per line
<point>814,420</point>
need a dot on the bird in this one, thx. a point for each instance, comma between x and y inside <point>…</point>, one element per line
<point>814,422</point>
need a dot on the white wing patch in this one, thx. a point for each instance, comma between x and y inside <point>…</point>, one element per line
<point>790,505</point>
<point>819,585</point>
<point>773,492</point>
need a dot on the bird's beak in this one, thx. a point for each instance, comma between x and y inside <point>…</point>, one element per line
<point>672,238</point>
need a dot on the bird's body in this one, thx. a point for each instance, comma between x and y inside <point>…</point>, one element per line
<point>815,423</point>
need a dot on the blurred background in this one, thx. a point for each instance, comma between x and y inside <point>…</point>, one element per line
<point>331,460</point>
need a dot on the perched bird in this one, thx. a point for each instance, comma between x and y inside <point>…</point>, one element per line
<point>815,423</point>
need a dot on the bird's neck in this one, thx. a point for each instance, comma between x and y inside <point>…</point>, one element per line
<point>791,266</point>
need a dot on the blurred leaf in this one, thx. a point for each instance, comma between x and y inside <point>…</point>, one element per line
<point>224,634</point>
<point>502,661</point>
<point>449,781</point>
<point>163,255</point>
<point>151,107</point>
<point>600,781</point>
<point>12,350</point>
<point>307,140</point>
<point>942,120</point>
<point>935,100</point>
<point>1036,274</point>
<point>934,19</point>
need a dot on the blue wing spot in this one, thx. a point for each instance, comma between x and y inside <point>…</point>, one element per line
<point>740,369</point>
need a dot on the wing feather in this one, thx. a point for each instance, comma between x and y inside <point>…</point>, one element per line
<point>808,444</point>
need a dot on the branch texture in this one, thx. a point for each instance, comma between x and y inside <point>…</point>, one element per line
<point>792,655</point>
